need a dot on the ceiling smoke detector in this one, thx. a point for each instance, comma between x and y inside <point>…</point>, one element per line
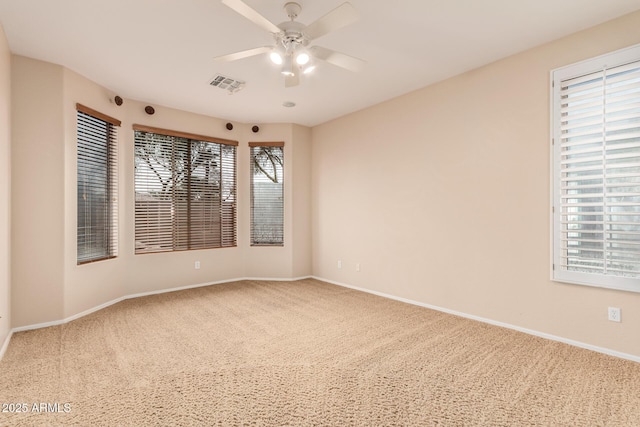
<point>227,83</point>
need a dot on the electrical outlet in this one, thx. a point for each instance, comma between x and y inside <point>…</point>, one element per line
<point>197,265</point>
<point>614,314</point>
<point>339,263</point>
<point>358,267</point>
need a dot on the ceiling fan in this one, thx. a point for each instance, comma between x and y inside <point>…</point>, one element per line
<point>292,50</point>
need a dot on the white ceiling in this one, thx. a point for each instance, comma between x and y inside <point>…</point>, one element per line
<point>161,51</point>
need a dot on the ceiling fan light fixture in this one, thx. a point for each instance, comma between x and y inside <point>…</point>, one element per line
<point>302,58</point>
<point>309,69</point>
<point>276,58</point>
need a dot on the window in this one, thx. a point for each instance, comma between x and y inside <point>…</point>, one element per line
<point>267,197</point>
<point>596,151</point>
<point>185,189</point>
<point>97,232</point>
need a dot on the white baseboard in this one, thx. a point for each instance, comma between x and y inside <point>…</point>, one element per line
<point>5,344</point>
<point>270,279</point>
<point>603,350</point>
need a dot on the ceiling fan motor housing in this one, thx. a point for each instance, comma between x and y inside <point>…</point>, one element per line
<point>292,35</point>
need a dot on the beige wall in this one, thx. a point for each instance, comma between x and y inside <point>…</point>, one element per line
<point>48,284</point>
<point>153,272</point>
<point>262,261</point>
<point>294,259</point>
<point>443,197</point>
<point>37,192</point>
<point>92,284</point>
<point>301,223</point>
<point>5,187</point>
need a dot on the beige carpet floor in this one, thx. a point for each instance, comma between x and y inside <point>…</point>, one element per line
<point>303,353</point>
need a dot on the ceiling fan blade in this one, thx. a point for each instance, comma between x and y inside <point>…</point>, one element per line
<point>336,58</point>
<point>339,17</point>
<point>292,80</point>
<point>245,10</point>
<point>243,54</point>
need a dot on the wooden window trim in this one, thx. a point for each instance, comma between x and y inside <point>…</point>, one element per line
<point>98,114</point>
<point>267,144</point>
<point>180,134</point>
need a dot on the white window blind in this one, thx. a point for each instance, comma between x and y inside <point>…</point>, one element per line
<point>267,193</point>
<point>597,172</point>
<point>97,206</point>
<point>185,189</point>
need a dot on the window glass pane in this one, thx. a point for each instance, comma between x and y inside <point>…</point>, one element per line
<point>185,193</point>
<point>267,196</point>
